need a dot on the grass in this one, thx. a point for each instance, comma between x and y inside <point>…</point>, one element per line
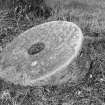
<point>90,86</point>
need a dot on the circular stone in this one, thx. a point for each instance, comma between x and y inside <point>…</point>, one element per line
<point>40,52</point>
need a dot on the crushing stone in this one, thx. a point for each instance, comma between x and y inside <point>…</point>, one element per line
<point>40,52</point>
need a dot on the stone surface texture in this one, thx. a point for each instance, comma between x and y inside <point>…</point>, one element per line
<point>63,41</point>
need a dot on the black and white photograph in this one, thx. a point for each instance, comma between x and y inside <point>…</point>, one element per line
<point>52,52</point>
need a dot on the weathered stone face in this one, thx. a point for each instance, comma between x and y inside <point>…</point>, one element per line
<point>41,52</point>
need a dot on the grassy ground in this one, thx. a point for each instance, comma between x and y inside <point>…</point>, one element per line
<point>90,89</point>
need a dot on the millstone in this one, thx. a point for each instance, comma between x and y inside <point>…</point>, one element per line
<point>40,52</point>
